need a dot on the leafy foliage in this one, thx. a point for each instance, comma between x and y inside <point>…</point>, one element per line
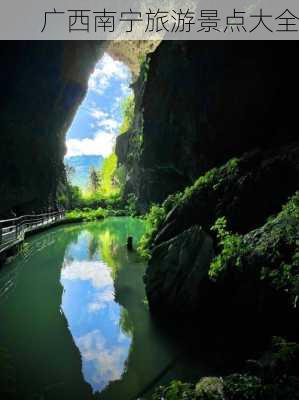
<point>153,220</point>
<point>108,186</point>
<point>70,197</point>
<point>209,388</point>
<point>284,357</point>
<point>86,214</point>
<point>131,206</point>
<point>242,387</point>
<point>273,248</point>
<point>93,180</point>
<point>209,181</point>
<point>144,67</point>
<point>276,378</point>
<point>176,390</point>
<point>127,109</point>
<point>231,245</point>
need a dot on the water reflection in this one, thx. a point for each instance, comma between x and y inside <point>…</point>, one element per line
<point>74,320</point>
<point>88,302</point>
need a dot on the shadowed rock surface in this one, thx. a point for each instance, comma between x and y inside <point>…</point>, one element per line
<point>202,104</point>
<point>246,191</point>
<point>177,269</point>
<point>42,85</point>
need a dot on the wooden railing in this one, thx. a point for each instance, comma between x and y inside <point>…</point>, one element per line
<point>12,231</point>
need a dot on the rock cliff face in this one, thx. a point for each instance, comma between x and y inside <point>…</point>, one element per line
<point>253,279</point>
<point>204,103</point>
<point>246,191</point>
<point>177,269</point>
<point>42,84</point>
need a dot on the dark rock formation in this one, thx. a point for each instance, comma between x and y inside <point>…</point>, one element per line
<point>256,283</point>
<point>204,103</point>
<point>178,267</point>
<point>246,191</point>
<point>42,84</point>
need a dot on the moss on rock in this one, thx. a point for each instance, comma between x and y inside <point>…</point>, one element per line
<point>272,250</point>
<point>275,378</point>
<point>243,190</point>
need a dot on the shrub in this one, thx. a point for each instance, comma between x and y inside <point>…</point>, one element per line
<point>107,185</point>
<point>176,390</point>
<point>153,220</point>
<point>242,387</point>
<point>131,206</point>
<point>86,214</point>
<point>209,388</point>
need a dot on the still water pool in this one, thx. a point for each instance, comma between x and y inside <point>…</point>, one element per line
<point>74,323</point>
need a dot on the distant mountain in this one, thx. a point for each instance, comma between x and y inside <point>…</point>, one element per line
<point>82,164</point>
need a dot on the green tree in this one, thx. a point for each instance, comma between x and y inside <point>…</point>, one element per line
<point>70,197</point>
<point>93,180</point>
<point>108,186</point>
<point>70,172</point>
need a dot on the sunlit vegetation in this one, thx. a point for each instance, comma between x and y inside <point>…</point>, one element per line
<point>70,196</point>
<point>153,220</point>
<point>94,180</point>
<point>108,186</point>
<point>105,185</point>
<point>127,109</point>
<point>230,244</point>
<point>86,214</point>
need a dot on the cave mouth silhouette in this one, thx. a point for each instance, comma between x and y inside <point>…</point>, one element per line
<point>91,137</point>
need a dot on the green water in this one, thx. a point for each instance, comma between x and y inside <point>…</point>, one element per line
<point>74,323</point>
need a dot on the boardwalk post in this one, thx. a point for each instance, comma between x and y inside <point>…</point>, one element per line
<point>130,243</point>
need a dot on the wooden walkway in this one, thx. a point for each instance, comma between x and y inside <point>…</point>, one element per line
<point>13,231</point>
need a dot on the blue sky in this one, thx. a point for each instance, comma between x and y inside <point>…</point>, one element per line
<point>93,315</point>
<point>98,119</point>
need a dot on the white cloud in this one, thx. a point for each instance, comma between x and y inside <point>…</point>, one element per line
<point>102,144</point>
<point>110,124</point>
<point>106,70</point>
<point>116,105</point>
<point>97,114</point>
<point>101,300</point>
<point>125,88</point>
<point>94,271</point>
<point>108,361</point>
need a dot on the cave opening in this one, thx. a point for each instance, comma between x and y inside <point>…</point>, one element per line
<point>105,112</point>
<point>210,199</point>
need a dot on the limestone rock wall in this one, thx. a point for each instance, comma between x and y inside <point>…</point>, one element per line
<point>206,102</point>
<point>42,85</point>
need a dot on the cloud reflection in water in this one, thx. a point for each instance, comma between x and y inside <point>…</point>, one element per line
<point>93,315</point>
